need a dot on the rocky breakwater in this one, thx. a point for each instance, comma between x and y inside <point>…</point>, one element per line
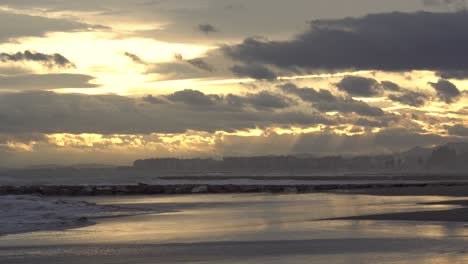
<point>149,189</point>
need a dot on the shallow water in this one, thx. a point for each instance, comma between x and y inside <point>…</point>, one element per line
<point>249,228</point>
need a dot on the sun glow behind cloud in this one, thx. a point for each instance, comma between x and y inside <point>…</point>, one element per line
<point>98,49</point>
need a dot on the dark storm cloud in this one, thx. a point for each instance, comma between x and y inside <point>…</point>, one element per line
<point>18,25</point>
<point>135,58</point>
<point>410,98</point>
<point>388,41</point>
<point>446,91</point>
<point>235,19</point>
<point>46,81</point>
<point>323,100</point>
<point>207,28</point>
<point>48,112</point>
<point>49,60</point>
<point>458,130</point>
<point>255,71</point>
<point>453,74</point>
<point>360,86</point>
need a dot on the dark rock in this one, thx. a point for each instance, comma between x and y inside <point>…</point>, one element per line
<point>290,189</point>
<point>103,190</point>
<point>82,219</point>
<point>216,189</point>
<point>155,189</point>
<point>232,188</point>
<point>49,190</point>
<point>249,188</point>
<point>200,189</point>
<point>170,189</point>
<point>85,190</point>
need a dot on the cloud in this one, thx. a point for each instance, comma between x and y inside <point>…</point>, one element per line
<point>14,70</point>
<point>135,58</point>
<point>49,112</point>
<point>197,62</point>
<point>360,86</point>
<point>387,41</point>
<point>46,81</point>
<point>446,91</point>
<point>398,139</point>
<point>207,28</point>
<point>22,138</point>
<point>386,141</point>
<point>370,123</point>
<point>457,5</point>
<point>261,101</point>
<point>193,97</point>
<point>326,143</point>
<point>255,71</point>
<point>177,70</point>
<point>235,19</point>
<point>200,64</point>
<point>324,100</point>
<point>390,86</point>
<point>453,74</point>
<point>153,99</point>
<point>18,25</point>
<point>49,60</point>
<point>123,149</point>
<point>181,68</point>
<point>267,101</point>
<point>410,98</point>
<point>458,130</point>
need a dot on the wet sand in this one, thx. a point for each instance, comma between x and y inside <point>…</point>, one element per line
<point>449,191</point>
<point>249,228</point>
<point>452,215</point>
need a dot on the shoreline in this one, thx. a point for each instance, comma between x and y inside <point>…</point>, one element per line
<point>64,214</point>
<point>31,213</point>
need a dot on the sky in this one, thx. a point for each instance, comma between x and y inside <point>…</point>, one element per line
<point>112,81</point>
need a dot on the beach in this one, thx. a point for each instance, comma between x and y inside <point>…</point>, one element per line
<point>256,228</point>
